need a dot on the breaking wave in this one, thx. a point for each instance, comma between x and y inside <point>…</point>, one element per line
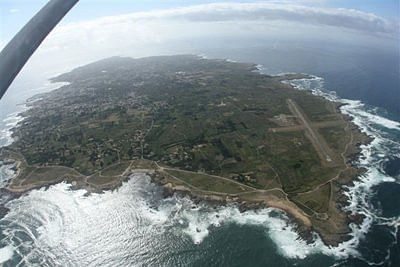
<point>59,226</point>
<point>9,122</point>
<point>6,254</point>
<point>386,141</point>
<point>6,173</point>
<point>14,118</point>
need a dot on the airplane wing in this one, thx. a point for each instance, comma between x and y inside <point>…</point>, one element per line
<point>17,52</point>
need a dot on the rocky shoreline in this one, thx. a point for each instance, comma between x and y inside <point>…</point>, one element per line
<point>304,226</point>
<point>305,230</point>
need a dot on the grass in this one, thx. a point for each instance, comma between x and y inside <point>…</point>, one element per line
<point>208,183</point>
<point>45,174</point>
<point>214,118</point>
<point>116,169</point>
<point>98,179</point>
<point>317,200</point>
<point>91,130</point>
<point>336,137</point>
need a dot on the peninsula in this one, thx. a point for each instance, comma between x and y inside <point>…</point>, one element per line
<point>214,129</point>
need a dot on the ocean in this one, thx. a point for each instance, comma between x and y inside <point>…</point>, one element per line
<point>136,226</point>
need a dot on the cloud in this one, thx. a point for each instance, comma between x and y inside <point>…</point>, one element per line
<point>193,29</point>
<point>14,10</point>
<point>219,12</point>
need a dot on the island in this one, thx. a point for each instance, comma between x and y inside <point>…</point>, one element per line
<point>213,129</point>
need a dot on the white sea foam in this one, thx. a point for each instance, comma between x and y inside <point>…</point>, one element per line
<point>277,225</point>
<point>6,173</point>
<point>372,155</point>
<point>61,225</point>
<point>231,60</point>
<point>260,68</point>
<point>356,108</point>
<point>274,221</point>
<point>59,222</point>
<point>10,121</point>
<point>6,254</point>
<point>14,118</point>
<point>65,226</point>
<point>203,56</point>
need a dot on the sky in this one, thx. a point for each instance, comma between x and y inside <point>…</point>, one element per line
<point>15,13</point>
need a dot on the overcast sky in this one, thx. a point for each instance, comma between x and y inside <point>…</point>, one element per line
<point>15,13</point>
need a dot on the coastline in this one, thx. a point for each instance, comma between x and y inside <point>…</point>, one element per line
<point>273,198</point>
<point>252,201</point>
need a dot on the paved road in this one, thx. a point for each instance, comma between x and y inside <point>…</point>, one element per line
<point>295,128</point>
<point>317,140</point>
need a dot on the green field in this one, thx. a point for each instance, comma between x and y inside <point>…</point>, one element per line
<point>187,113</point>
<point>208,183</point>
<point>116,169</point>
